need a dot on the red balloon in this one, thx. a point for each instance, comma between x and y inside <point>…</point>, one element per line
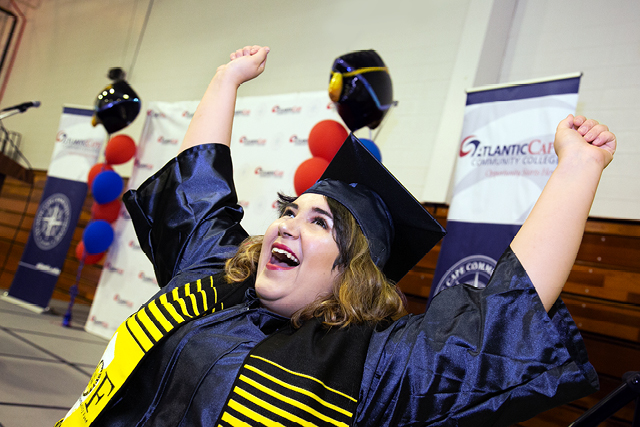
<point>107,212</point>
<point>326,138</point>
<point>95,170</point>
<point>88,258</point>
<point>120,149</point>
<point>308,173</point>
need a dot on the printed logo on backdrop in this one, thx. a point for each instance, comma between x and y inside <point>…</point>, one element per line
<point>187,114</point>
<point>52,221</point>
<point>276,109</point>
<point>474,270</point>
<point>121,301</point>
<point>113,269</point>
<point>296,140</point>
<point>268,173</point>
<point>533,152</point>
<point>94,320</point>
<point>134,245</point>
<point>148,279</point>
<point>137,163</point>
<point>156,115</point>
<point>162,140</point>
<point>243,203</point>
<point>249,142</point>
<point>90,145</point>
<point>241,113</point>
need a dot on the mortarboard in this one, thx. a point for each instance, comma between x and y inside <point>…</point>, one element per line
<point>398,228</point>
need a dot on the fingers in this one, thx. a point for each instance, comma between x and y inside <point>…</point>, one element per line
<point>246,51</point>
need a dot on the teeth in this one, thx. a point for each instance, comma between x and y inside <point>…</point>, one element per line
<point>287,254</point>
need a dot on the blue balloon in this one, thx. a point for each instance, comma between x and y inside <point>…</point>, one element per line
<point>97,237</point>
<point>107,186</point>
<point>372,147</point>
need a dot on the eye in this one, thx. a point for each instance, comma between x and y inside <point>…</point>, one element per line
<point>288,212</point>
<point>318,220</point>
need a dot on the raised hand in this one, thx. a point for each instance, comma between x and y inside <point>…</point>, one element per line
<point>246,63</point>
<point>584,139</point>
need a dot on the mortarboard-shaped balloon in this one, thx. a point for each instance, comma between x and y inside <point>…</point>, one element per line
<point>361,87</point>
<point>117,105</point>
<point>398,228</point>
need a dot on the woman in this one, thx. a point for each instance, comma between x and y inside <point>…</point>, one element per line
<point>302,326</point>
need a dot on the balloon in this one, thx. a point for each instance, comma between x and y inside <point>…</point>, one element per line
<point>95,170</point>
<point>106,187</point>
<point>120,149</point>
<point>116,106</point>
<point>361,87</point>
<point>97,237</point>
<point>308,173</point>
<point>107,212</point>
<point>88,258</point>
<point>326,138</point>
<point>372,147</point>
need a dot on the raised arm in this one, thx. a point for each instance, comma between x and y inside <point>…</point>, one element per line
<point>213,118</point>
<point>548,242</point>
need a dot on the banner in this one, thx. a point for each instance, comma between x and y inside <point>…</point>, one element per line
<point>268,143</point>
<point>76,150</point>
<point>505,158</point>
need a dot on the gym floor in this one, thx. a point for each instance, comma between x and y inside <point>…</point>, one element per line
<point>44,366</point>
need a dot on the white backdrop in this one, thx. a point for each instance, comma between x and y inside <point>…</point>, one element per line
<point>269,141</point>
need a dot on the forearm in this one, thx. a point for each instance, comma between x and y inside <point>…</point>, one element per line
<point>213,120</point>
<point>548,242</point>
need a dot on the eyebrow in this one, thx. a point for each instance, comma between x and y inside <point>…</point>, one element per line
<point>314,209</point>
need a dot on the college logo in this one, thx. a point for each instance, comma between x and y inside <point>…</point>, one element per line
<point>188,115</point>
<point>246,141</point>
<point>242,112</point>
<point>243,203</point>
<point>146,278</point>
<point>83,144</point>
<point>331,106</point>
<point>526,153</point>
<point>95,378</point>
<point>134,245</point>
<point>290,110</point>
<point>122,301</point>
<point>474,270</point>
<point>155,115</point>
<point>52,221</point>
<point>264,174</point>
<point>101,323</point>
<point>296,140</point>
<point>113,269</point>
<point>141,165</point>
<point>163,140</point>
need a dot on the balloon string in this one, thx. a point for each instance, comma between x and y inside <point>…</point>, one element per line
<point>384,120</point>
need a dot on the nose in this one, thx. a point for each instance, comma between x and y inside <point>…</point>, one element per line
<point>289,227</point>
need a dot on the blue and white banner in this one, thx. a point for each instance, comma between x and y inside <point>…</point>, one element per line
<point>76,150</point>
<point>505,158</point>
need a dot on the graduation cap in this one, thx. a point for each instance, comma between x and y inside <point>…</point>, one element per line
<point>399,230</point>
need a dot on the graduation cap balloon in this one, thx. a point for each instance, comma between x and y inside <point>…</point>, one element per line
<point>361,87</point>
<point>117,105</point>
<point>398,228</point>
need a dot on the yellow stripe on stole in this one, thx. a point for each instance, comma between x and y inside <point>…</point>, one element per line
<point>293,402</point>
<point>300,390</point>
<point>180,301</point>
<point>171,309</point>
<point>271,408</point>
<point>151,327</point>
<point>253,415</point>
<point>304,376</point>
<point>158,315</point>
<point>228,418</point>
<point>138,333</point>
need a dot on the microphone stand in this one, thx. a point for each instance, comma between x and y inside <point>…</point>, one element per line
<point>613,402</point>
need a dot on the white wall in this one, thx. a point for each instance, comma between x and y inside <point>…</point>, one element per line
<point>432,47</point>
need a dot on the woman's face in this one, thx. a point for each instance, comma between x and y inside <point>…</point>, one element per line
<point>297,256</point>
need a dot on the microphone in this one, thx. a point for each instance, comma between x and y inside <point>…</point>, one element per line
<point>23,107</point>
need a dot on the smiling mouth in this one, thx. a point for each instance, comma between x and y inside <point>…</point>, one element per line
<point>282,259</point>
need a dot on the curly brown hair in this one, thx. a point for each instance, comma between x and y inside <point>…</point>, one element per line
<point>361,291</point>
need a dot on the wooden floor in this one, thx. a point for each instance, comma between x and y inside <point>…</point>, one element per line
<point>602,293</point>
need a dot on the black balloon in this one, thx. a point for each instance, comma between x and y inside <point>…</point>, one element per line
<point>362,99</point>
<point>116,106</point>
